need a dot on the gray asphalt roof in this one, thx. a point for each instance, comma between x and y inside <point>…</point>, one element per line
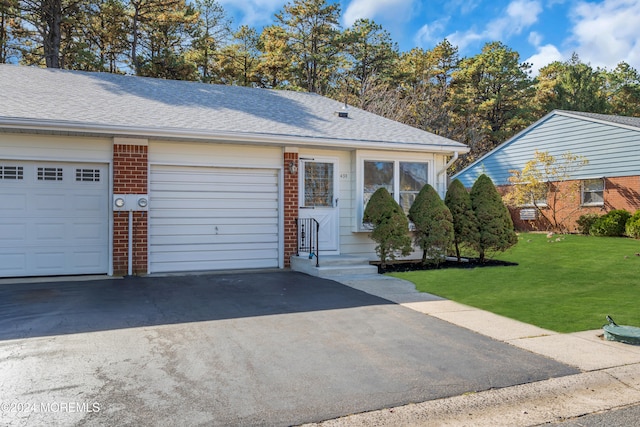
<point>621,120</point>
<point>99,100</point>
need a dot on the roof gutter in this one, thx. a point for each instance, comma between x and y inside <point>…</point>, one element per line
<point>77,128</point>
<point>449,163</point>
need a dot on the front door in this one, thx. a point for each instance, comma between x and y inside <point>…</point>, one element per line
<point>319,200</point>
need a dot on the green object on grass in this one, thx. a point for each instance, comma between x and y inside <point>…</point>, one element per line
<point>621,333</point>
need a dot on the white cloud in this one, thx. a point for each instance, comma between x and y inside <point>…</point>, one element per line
<point>519,15</point>
<point>430,34</point>
<point>544,56</point>
<point>371,9</point>
<point>608,32</point>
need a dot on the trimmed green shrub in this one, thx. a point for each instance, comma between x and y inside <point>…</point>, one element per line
<point>585,222</point>
<point>611,224</point>
<point>390,226</point>
<point>434,225</point>
<point>633,226</point>
<point>494,221</point>
<point>465,224</point>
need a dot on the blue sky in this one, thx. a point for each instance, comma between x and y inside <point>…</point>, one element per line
<point>602,32</point>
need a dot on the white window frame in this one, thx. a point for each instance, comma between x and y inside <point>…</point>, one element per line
<point>582,192</point>
<point>396,159</point>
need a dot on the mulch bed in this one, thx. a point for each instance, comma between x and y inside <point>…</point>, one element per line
<point>401,266</point>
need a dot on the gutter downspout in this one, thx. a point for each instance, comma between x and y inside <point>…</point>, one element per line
<point>443,170</point>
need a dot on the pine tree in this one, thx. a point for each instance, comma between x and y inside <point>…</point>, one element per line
<point>434,225</point>
<point>390,226</point>
<point>465,224</point>
<point>494,221</point>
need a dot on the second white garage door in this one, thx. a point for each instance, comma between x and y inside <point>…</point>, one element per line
<point>212,218</point>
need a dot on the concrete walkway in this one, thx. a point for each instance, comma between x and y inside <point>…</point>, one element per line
<point>610,375</point>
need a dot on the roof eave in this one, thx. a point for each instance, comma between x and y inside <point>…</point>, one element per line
<point>79,128</point>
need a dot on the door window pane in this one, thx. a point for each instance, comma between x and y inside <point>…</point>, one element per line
<point>318,184</point>
<point>377,175</point>
<point>413,176</point>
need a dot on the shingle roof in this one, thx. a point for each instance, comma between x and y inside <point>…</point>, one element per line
<point>620,120</point>
<point>123,103</point>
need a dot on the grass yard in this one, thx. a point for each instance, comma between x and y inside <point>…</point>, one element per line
<point>567,283</point>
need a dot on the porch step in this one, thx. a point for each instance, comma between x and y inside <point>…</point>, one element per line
<point>333,265</point>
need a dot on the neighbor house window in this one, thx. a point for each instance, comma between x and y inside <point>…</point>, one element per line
<point>403,180</point>
<point>593,192</point>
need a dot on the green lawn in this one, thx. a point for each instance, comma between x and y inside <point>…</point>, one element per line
<point>565,285</point>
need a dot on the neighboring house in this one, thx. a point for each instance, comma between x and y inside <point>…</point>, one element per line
<point>213,177</point>
<point>611,180</point>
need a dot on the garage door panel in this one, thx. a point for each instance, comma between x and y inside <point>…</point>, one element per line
<point>58,226</point>
<point>217,256</point>
<point>199,239</point>
<point>12,233</point>
<point>213,218</point>
<point>254,204</point>
<point>14,264</point>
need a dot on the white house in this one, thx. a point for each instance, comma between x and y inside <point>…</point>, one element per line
<point>110,174</point>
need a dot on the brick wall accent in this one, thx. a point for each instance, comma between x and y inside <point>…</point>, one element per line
<point>619,193</point>
<point>290,207</point>
<point>130,176</point>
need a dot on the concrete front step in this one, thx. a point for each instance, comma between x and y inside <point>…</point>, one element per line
<point>333,265</point>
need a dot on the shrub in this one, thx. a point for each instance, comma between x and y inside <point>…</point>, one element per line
<point>494,221</point>
<point>390,226</point>
<point>434,225</point>
<point>611,224</point>
<point>585,222</point>
<point>633,226</point>
<point>465,225</point>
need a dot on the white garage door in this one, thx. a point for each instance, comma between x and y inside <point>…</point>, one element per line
<point>212,218</point>
<point>53,219</point>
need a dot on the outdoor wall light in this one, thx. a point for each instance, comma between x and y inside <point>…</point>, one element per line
<point>293,167</point>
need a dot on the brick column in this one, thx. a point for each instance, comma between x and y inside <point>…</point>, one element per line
<point>130,170</point>
<point>290,206</point>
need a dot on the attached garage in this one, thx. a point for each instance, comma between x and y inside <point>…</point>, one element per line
<point>213,218</point>
<point>54,218</point>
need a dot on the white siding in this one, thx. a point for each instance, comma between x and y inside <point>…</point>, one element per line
<point>354,242</point>
<point>58,148</point>
<point>219,155</point>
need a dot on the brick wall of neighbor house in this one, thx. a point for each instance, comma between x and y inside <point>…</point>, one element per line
<point>290,207</point>
<point>130,172</point>
<point>619,193</point>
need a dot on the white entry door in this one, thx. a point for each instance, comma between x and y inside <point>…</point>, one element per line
<point>319,200</point>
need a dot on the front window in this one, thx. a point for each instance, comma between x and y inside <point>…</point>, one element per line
<point>377,175</point>
<point>593,192</point>
<point>413,176</point>
<point>403,180</point>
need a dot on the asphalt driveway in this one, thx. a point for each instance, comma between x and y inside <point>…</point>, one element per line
<point>232,349</point>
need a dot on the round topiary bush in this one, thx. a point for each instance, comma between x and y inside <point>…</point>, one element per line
<point>611,224</point>
<point>633,226</point>
<point>585,222</point>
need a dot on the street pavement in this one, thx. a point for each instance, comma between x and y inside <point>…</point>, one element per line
<point>605,392</point>
<point>262,348</point>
